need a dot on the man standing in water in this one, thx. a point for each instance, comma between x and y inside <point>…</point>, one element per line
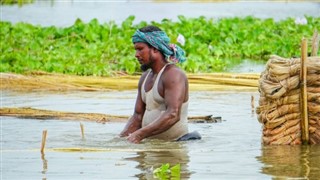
<point>161,107</point>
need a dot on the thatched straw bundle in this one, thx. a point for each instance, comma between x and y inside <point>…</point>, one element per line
<point>279,107</point>
<point>276,89</point>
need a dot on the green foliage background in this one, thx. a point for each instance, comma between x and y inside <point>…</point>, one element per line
<point>19,2</point>
<point>99,49</point>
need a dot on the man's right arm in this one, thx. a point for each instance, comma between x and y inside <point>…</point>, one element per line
<point>135,121</point>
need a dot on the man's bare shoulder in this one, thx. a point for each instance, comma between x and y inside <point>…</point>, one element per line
<point>143,76</point>
<point>173,71</point>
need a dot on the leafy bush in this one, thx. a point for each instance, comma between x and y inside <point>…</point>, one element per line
<point>19,2</point>
<point>98,49</point>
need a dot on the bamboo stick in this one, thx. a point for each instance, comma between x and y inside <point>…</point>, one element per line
<point>43,142</point>
<point>82,130</point>
<point>315,43</point>
<point>95,117</point>
<point>49,114</point>
<point>303,97</point>
<point>62,82</point>
<point>83,149</point>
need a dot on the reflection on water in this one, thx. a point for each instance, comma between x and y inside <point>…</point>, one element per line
<point>174,153</point>
<point>147,156</point>
<point>291,161</point>
<point>44,166</point>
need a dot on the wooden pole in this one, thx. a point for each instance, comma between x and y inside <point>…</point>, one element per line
<point>82,130</point>
<point>43,142</point>
<point>303,95</point>
<point>315,43</point>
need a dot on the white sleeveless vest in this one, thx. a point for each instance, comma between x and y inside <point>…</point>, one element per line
<point>155,106</point>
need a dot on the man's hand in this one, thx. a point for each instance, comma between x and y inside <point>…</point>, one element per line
<point>135,137</point>
<point>123,134</point>
<point>133,124</point>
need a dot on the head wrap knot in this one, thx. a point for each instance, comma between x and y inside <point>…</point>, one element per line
<point>160,41</point>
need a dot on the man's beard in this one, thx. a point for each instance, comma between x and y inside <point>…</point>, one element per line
<point>145,67</point>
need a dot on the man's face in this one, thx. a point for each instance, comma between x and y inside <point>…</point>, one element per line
<point>144,55</point>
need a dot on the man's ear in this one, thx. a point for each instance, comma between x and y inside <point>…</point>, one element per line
<point>155,50</point>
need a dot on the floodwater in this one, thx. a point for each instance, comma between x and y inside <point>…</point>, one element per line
<point>230,149</point>
<point>65,12</point>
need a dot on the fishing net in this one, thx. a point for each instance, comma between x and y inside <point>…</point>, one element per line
<point>279,108</point>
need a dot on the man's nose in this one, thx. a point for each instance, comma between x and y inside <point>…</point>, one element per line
<point>137,55</point>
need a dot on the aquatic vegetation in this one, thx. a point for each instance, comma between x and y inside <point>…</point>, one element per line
<point>100,49</point>
<point>166,172</point>
<point>19,2</point>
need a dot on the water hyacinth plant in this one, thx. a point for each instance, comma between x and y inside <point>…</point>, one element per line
<point>100,49</point>
<point>19,2</point>
<point>165,172</point>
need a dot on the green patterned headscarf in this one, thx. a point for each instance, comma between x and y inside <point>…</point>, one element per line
<point>160,41</point>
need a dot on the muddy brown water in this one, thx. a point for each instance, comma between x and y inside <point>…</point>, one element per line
<point>230,149</point>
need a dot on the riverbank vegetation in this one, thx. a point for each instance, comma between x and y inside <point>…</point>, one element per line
<point>19,2</point>
<point>100,49</point>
